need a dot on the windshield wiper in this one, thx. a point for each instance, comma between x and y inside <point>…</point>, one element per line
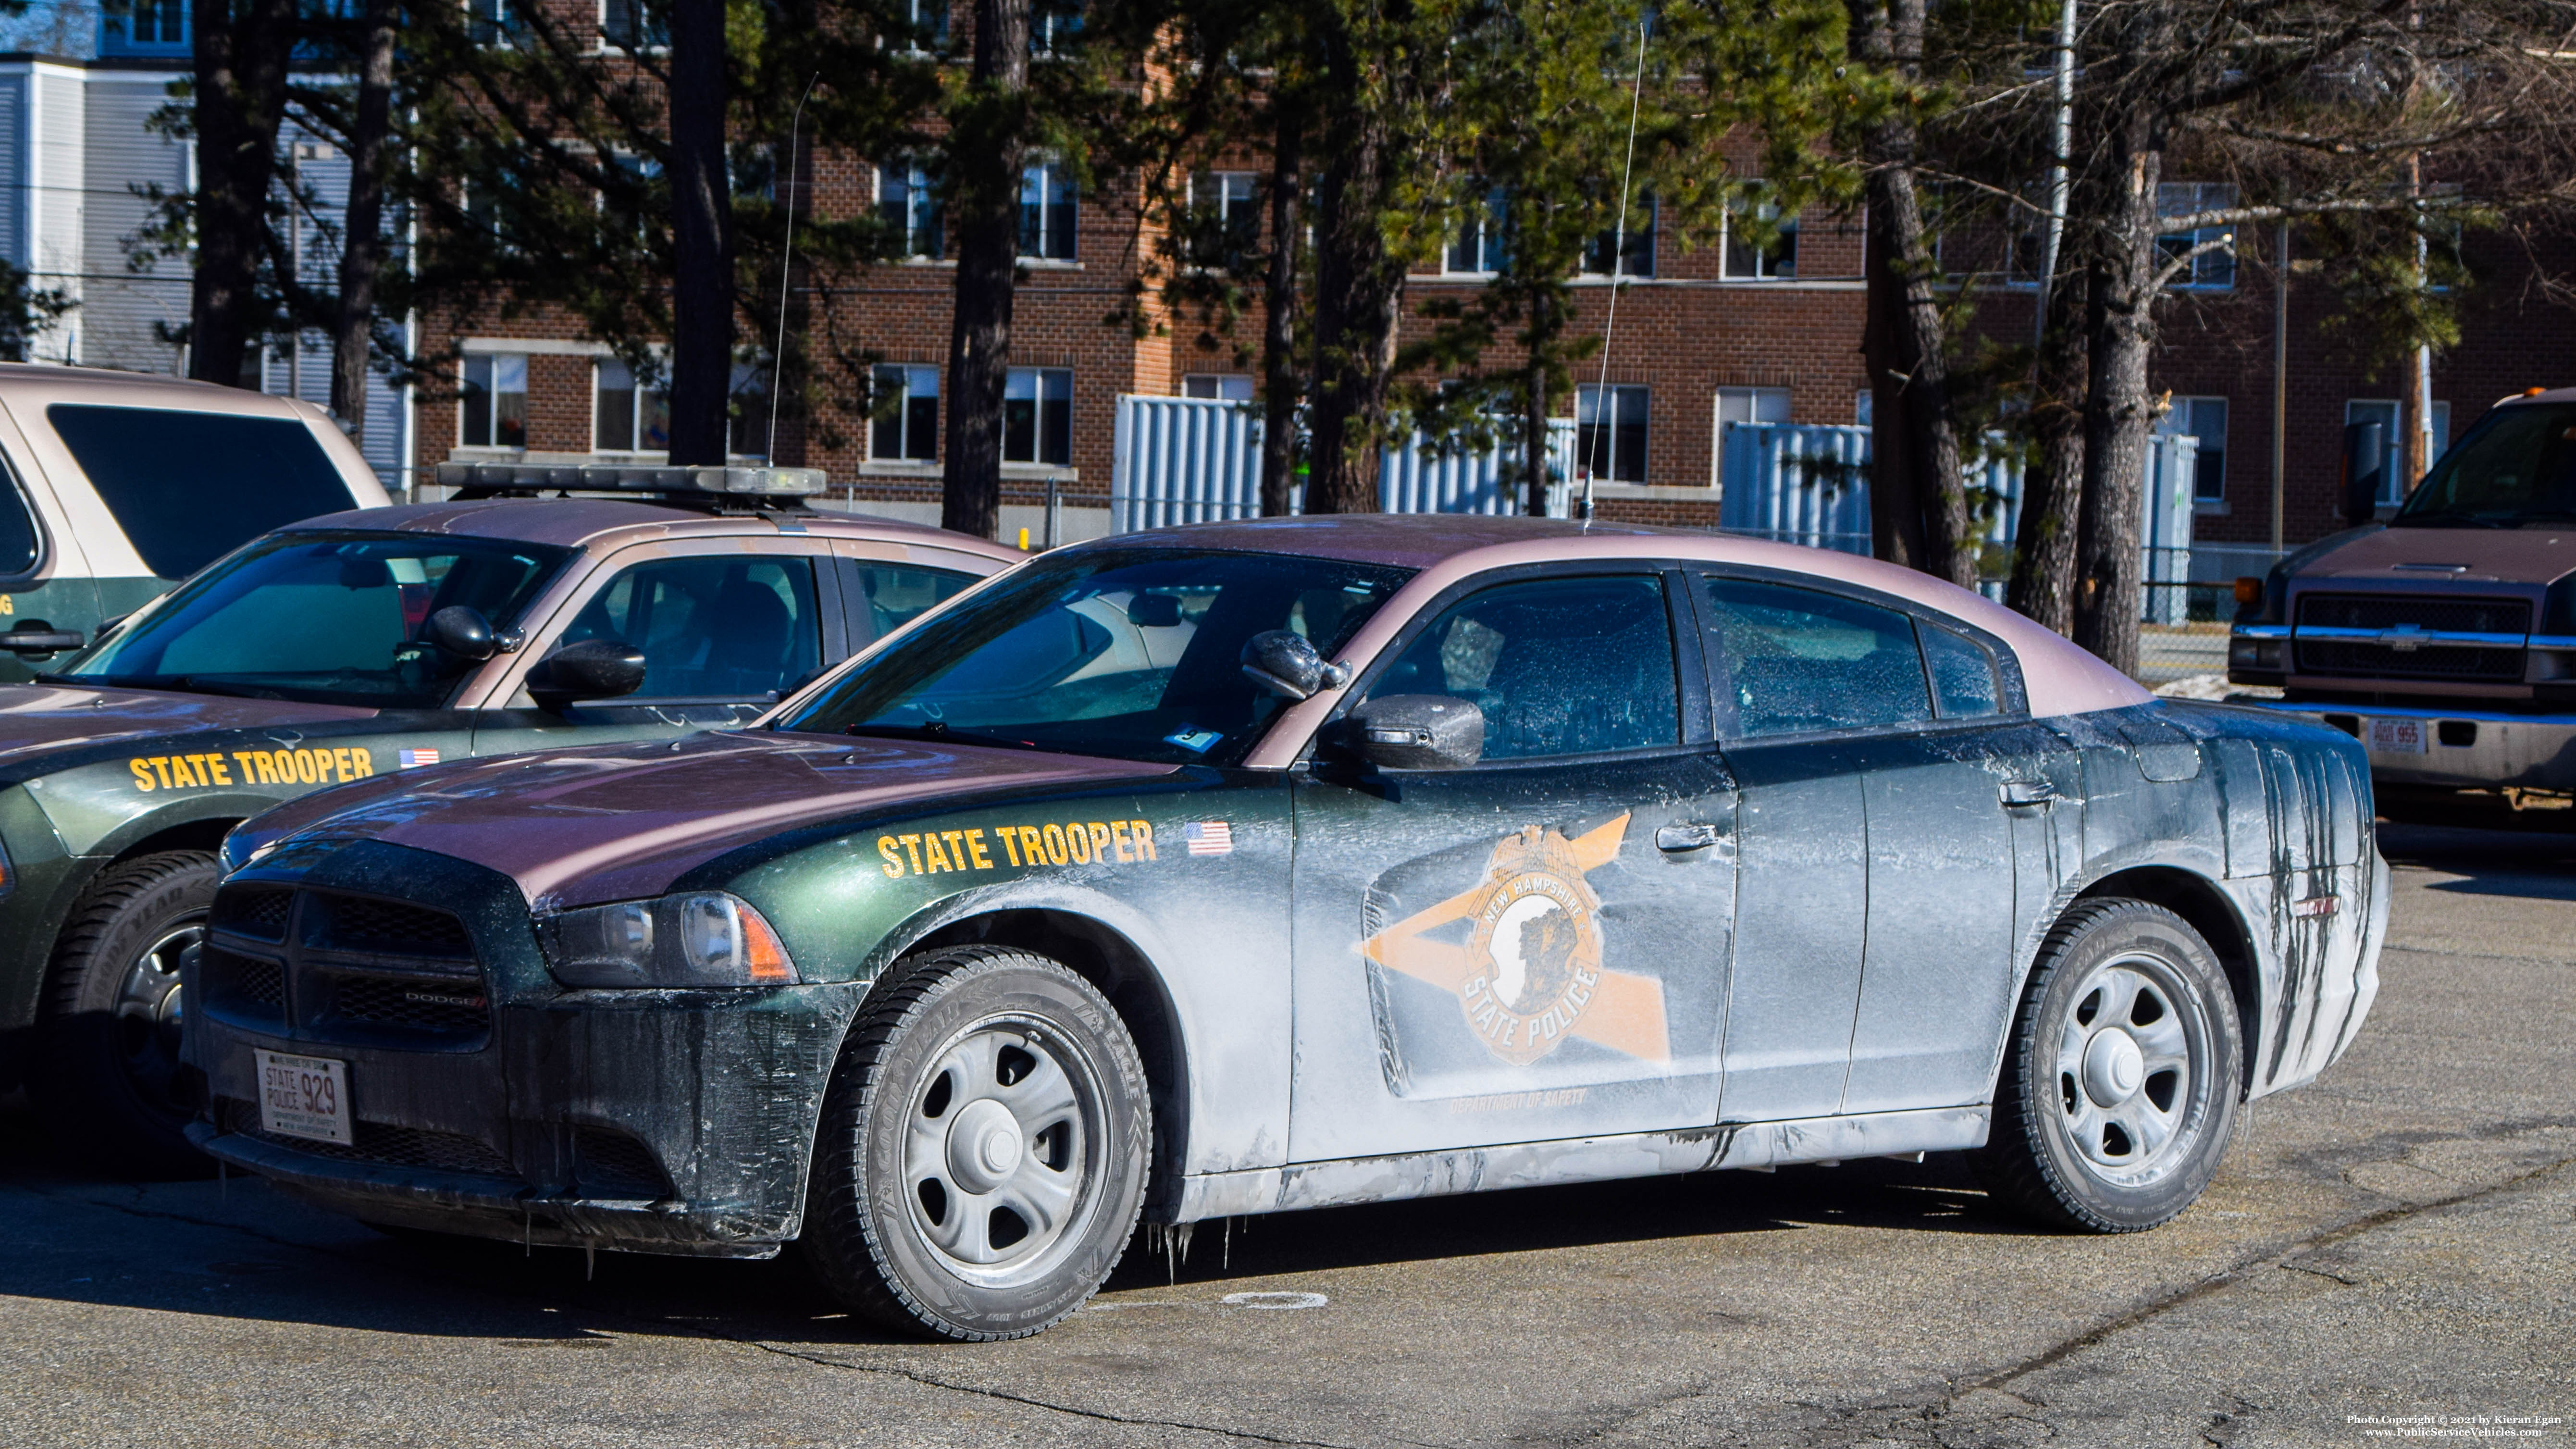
<point>193,685</point>
<point>2445,520</point>
<point>941,733</point>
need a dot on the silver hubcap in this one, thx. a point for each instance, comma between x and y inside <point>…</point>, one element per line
<point>2130,1070</point>
<point>148,1012</point>
<point>1000,1153</point>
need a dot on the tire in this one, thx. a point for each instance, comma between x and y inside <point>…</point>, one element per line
<point>983,1149</point>
<point>2121,1080</point>
<point>108,1084</point>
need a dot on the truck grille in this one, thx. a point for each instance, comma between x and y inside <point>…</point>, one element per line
<point>342,966</point>
<point>378,1142</point>
<point>2400,658</point>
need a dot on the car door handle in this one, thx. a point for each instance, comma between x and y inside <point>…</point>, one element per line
<point>1679,839</point>
<point>2022,793</point>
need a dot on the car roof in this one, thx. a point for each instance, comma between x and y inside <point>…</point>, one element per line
<point>585,522</point>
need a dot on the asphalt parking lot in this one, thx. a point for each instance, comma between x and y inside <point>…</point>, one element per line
<point>2394,1242</point>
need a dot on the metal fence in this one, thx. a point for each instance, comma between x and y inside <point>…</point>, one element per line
<point>1198,460</point>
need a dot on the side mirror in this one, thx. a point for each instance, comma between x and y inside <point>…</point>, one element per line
<point>35,636</point>
<point>464,632</point>
<point>591,669</point>
<point>1282,662</point>
<point>1417,732</point>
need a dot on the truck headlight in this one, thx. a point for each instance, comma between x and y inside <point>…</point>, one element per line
<point>2254,653</point>
<point>706,938</point>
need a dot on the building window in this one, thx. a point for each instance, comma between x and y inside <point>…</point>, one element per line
<point>1636,251</point>
<point>2215,268</point>
<point>1477,250</point>
<point>2204,419</point>
<point>1610,442</point>
<point>1224,386</point>
<point>634,25</point>
<point>2387,412</point>
<point>627,417</point>
<point>1037,416</point>
<point>490,22</point>
<point>926,23</point>
<point>1053,26</point>
<point>1751,259</point>
<point>747,430</point>
<point>908,207</point>
<point>151,23</point>
<point>493,412</point>
<point>903,414</point>
<point>1758,405</point>
<point>1225,218</point>
<point>1046,212</point>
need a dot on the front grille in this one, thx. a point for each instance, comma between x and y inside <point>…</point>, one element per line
<point>244,985</point>
<point>253,910</point>
<point>350,967</point>
<point>608,1163</point>
<point>2442,613</point>
<point>377,1142</point>
<point>2420,612</point>
<point>425,1004</point>
<point>384,928</point>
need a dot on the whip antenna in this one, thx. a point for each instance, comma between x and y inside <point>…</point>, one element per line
<point>1618,255</point>
<point>786,263</point>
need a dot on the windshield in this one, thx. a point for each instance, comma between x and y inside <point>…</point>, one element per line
<point>2518,465</point>
<point>324,618</point>
<point>1130,653</point>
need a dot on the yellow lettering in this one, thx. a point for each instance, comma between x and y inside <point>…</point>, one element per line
<point>1010,842</point>
<point>1119,844</point>
<point>284,764</point>
<point>161,767</point>
<point>1077,842</point>
<point>1032,845</point>
<point>912,843</point>
<point>364,758</point>
<point>1055,847</point>
<point>930,849</point>
<point>1099,840</point>
<point>956,848</point>
<point>339,767</point>
<point>181,778</point>
<point>249,760</point>
<point>142,775</point>
<point>308,770</point>
<point>1144,838</point>
<point>893,866</point>
<point>975,850</point>
<point>223,772</point>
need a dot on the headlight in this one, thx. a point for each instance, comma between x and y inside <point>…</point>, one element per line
<point>705,939</point>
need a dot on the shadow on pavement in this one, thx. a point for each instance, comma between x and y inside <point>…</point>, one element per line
<point>2528,862</point>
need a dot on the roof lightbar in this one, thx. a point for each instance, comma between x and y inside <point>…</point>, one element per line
<point>634,478</point>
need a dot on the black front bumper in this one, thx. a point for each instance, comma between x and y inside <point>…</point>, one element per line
<point>649,1121</point>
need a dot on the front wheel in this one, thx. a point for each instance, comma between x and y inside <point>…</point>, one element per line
<point>2121,1080</point>
<point>983,1148</point>
<point>107,1082</point>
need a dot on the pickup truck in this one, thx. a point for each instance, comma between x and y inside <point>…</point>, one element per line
<point>2445,640</point>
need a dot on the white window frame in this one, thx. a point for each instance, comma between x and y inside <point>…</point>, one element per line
<point>1222,386</point>
<point>1220,201</point>
<point>910,378</point>
<point>1639,232</point>
<point>1043,176</point>
<point>1757,405</point>
<point>1477,250</point>
<point>652,36</point>
<point>1587,398</point>
<point>2211,271</point>
<point>1765,267</point>
<point>497,368</point>
<point>922,212</point>
<point>2187,418</point>
<point>636,394</point>
<point>1034,385</point>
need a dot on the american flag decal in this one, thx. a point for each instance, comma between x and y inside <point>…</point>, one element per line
<point>1209,837</point>
<point>414,759</point>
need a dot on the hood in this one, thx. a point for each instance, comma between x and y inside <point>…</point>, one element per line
<point>42,719</point>
<point>579,826</point>
<point>2532,556</point>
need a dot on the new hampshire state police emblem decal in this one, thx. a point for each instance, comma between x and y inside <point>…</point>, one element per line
<point>1530,972</point>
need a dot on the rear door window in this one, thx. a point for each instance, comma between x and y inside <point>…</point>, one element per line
<point>20,544</point>
<point>1792,661</point>
<point>188,488</point>
<point>889,596</point>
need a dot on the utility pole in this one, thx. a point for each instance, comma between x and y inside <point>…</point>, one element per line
<point>2419,374</point>
<point>2280,379</point>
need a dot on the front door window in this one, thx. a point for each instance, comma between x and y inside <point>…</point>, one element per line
<point>722,627</point>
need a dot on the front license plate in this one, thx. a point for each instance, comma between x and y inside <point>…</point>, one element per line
<point>303,1096</point>
<point>2397,736</point>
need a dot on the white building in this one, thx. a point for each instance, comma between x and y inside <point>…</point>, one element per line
<point>79,162</point>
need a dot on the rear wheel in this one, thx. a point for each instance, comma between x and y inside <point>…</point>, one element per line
<point>2120,1083</point>
<point>108,1084</point>
<point>982,1154</point>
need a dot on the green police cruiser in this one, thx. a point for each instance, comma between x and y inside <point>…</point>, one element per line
<point>657,602</point>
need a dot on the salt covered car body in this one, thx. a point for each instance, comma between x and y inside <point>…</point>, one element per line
<point>1274,865</point>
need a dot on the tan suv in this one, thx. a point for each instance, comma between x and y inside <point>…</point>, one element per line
<point>117,485</point>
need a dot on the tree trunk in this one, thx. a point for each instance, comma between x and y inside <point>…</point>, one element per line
<point>1546,320</point>
<point>2043,580</point>
<point>985,155</point>
<point>1357,288</point>
<point>702,280</point>
<point>241,61</point>
<point>1919,501</point>
<point>362,259</point>
<point>2117,411</point>
<point>1280,391</point>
